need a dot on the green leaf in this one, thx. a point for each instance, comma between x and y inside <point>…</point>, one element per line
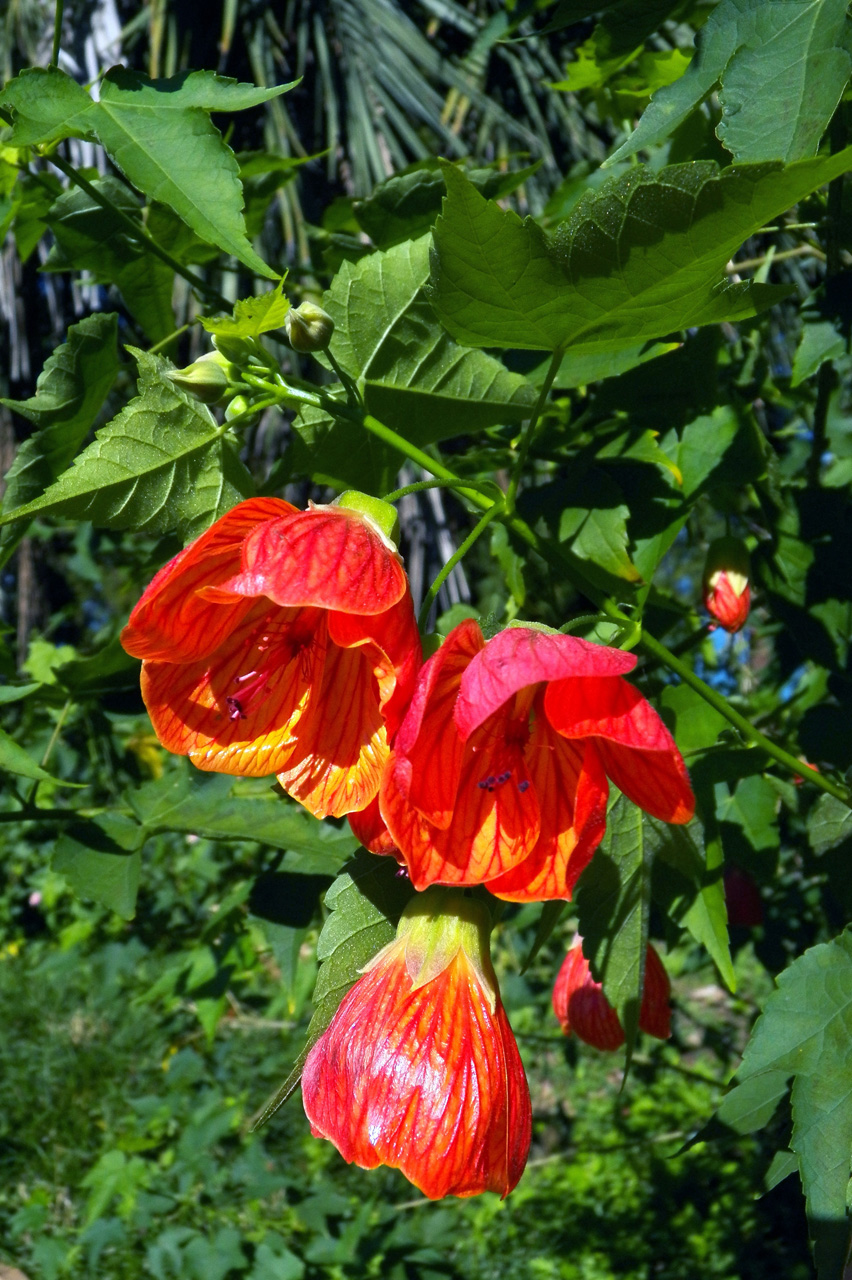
<point>694,724</point>
<point>69,394</point>
<point>161,465</point>
<point>100,859</point>
<point>643,257</point>
<point>365,904</point>
<point>749,49</point>
<point>411,375</point>
<point>690,887</point>
<point>14,759</point>
<point>804,1032</point>
<point>252,316</point>
<point>93,239</point>
<point>783,1164</point>
<point>204,804</point>
<point>829,824</point>
<point>721,447</point>
<point>613,900</point>
<point>579,370</point>
<point>820,341</point>
<point>754,808</point>
<point>160,135</point>
<point>750,1106</point>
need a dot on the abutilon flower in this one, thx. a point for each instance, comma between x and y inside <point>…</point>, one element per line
<point>419,1069</point>
<point>282,641</point>
<point>727,594</point>
<point>582,1008</point>
<point>498,774</point>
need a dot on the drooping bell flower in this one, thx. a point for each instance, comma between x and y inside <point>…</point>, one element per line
<point>727,594</point>
<point>419,1069</point>
<point>582,1008</point>
<point>282,642</point>
<point>498,774</point>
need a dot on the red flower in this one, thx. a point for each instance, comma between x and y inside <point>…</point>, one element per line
<point>281,641</point>
<point>582,1008</point>
<point>727,595</point>
<point>419,1069</point>
<point>498,774</point>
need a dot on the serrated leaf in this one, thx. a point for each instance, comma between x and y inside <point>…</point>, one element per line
<point>750,1105</point>
<point>69,394</point>
<point>613,899</point>
<point>411,375</point>
<point>690,887</point>
<point>643,257</point>
<point>252,316</point>
<point>748,48</point>
<point>366,902</point>
<point>804,1032</point>
<point>205,804</point>
<point>100,859</point>
<point>160,135</point>
<point>721,447</point>
<point>161,465</point>
<point>829,824</point>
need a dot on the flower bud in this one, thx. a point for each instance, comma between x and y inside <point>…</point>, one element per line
<point>727,594</point>
<point>309,328</point>
<point>207,379</point>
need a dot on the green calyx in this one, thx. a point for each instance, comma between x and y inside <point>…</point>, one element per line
<point>438,924</point>
<point>381,514</point>
<point>207,379</point>
<point>308,327</point>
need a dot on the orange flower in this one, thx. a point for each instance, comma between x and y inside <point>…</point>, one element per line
<point>281,641</point>
<point>582,1008</point>
<point>419,1069</point>
<point>498,774</point>
<point>727,595</point>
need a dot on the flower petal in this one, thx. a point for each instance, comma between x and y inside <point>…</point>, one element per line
<point>521,656</point>
<point>368,826</point>
<point>326,557</point>
<point>172,622</point>
<point>397,654</point>
<point>339,745</point>
<point>655,1015</point>
<point>428,1081</point>
<point>636,749</point>
<point>236,712</point>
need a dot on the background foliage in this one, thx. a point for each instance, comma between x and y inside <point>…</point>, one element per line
<point>675,332</point>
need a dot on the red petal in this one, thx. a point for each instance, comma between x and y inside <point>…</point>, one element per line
<point>172,623</point>
<point>521,656</point>
<point>636,748</point>
<point>237,711</point>
<point>573,789</point>
<point>655,1015</point>
<point>428,1081</point>
<point>368,827</point>
<point>327,558</point>
<point>581,1006</point>
<point>339,745</point>
<point>396,653</point>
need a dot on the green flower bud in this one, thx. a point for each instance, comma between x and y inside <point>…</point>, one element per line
<point>309,328</point>
<point>207,379</point>
<point>238,350</point>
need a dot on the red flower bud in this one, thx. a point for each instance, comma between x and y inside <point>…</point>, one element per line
<point>727,594</point>
<point>419,1069</point>
<point>582,1008</point>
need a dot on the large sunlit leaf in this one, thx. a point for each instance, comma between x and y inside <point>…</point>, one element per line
<point>365,904</point>
<point>162,465</point>
<point>780,69</point>
<point>160,135</point>
<point>613,899</point>
<point>641,258</point>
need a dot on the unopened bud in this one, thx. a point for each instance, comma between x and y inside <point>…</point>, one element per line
<point>208,378</point>
<point>727,594</point>
<point>309,328</point>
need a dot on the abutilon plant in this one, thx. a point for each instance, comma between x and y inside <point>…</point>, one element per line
<point>726,583</point>
<point>419,1069</point>
<point>499,772</point>
<point>283,642</point>
<point>584,1011</point>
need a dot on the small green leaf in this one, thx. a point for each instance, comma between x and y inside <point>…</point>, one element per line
<point>829,824</point>
<point>613,900</point>
<point>643,257</point>
<point>100,859</point>
<point>820,341</point>
<point>719,448</point>
<point>161,465</point>
<point>252,316</point>
<point>14,759</point>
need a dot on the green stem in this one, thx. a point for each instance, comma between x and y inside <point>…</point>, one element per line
<point>57,31</point>
<point>484,486</point>
<point>457,555</point>
<point>529,430</point>
<point>352,393</point>
<point>139,233</point>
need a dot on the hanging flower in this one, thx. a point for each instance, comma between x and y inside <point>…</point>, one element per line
<point>727,595</point>
<point>582,1008</point>
<point>498,773</point>
<point>282,641</point>
<point>419,1069</point>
